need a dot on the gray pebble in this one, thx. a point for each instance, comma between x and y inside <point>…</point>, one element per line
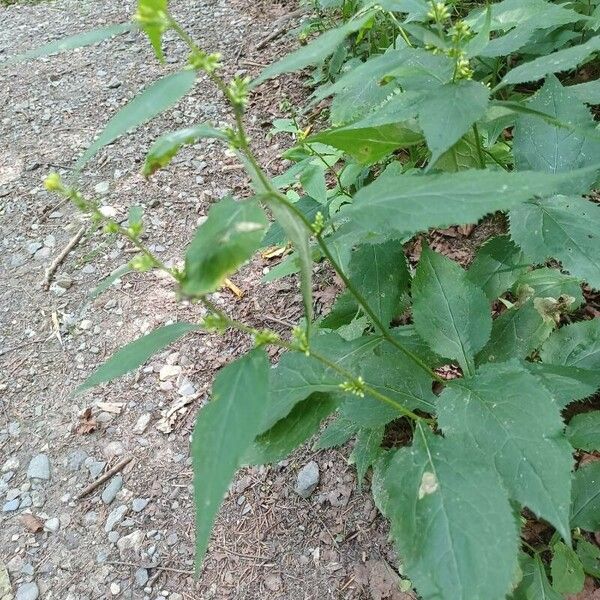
<point>26,501</point>
<point>52,525</point>
<point>11,505</point>
<point>27,591</point>
<point>76,459</point>
<point>139,504</point>
<point>39,467</point>
<point>172,539</point>
<point>114,517</point>
<point>141,577</point>
<point>95,467</point>
<point>307,480</point>
<point>112,489</point>
<point>102,187</point>
<point>113,537</point>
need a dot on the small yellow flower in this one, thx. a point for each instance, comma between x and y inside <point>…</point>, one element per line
<point>53,182</point>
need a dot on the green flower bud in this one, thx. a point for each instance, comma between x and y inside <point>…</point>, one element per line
<point>215,323</point>
<point>53,182</point>
<point>141,263</point>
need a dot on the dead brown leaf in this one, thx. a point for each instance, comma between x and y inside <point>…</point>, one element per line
<point>32,523</point>
<point>384,582</point>
<point>87,423</point>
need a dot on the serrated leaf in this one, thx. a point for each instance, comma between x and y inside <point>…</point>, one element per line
<point>406,204</point>
<point>524,441</point>
<point>566,570</point>
<point>167,146</point>
<point>576,345</point>
<point>342,312</point>
<point>566,384</point>
<point>380,273</point>
<point>442,500</point>
<point>314,52</point>
<point>462,156</point>
<point>541,146</point>
<point>292,431</point>
<point>535,584</point>
<point>337,433</point>
<point>225,428</point>
<point>497,265</point>
<point>152,101</point>
<point>136,353</point>
<point>69,43</point>
<point>583,431</point>
<point>562,227</point>
<point>154,8</point>
<point>516,333</point>
<point>585,512</point>
<point>589,555</point>
<point>588,92</point>
<point>556,62</point>
<point>222,244</point>
<point>450,313</point>
<point>366,451</point>
<point>550,283</point>
<point>446,115</point>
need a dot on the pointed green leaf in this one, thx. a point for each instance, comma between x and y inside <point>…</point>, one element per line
<point>292,431</point>
<point>314,52</point>
<point>136,353</point>
<point>69,43</point>
<point>562,227</point>
<point>541,146</point>
<point>366,451</point>
<point>476,45</point>
<point>497,265</point>
<point>442,500</point>
<point>152,101</point>
<point>566,570</point>
<point>167,146</point>
<point>380,273</point>
<point>313,182</point>
<point>342,312</point>
<point>576,345</point>
<point>450,313</point>
<point>556,62</point>
<point>535,584</point>
<point>588,92</point>
<point>583,431</point>
<point>523,440</point>
<point>109,280</point>
<point>155,11</point>
<point>550,283</point>
<point>462,156</point>
<point>225,428</point>
<point>589,555</point>
<point>585,512</point>
<point>222,244</point>
<point>446,115</point>
<point>516,333</point>
<point>337,433</point>
<point>406,204</point>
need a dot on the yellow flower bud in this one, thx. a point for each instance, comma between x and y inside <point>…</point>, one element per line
<point>53,182</point>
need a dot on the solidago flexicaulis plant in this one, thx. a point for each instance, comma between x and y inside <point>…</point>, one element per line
<point>438,116</point>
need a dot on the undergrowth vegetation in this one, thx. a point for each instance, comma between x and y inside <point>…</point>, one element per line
<point>423,115</point>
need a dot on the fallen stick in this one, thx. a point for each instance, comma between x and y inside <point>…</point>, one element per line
<point>58,260</point>
<point>105,477</point>
<point>279,30</point>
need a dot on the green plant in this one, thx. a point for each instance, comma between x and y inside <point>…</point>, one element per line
<point>441,122</point>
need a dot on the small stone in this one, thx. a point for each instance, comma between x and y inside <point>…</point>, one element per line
<point>38,498</point>
<point>12,464</point>
<point>95,468</point>
<point>11,505</point>
<point>273,582</point>
<point>115,517</point>
<point>186,388</point>
<point>141,577</point>
<point>39,467</point>
<point>132,542</point>
<point>102,187</point>
<point>142,423</point>
<point>172,539</point>
<point>175,596</point>
<point>75,459</point>
<point>115,589</point>
<point>27,591</point>
<point>139,504</point>
<point>114,83</point>
<point>26,501</point>
<point>307,480</point>
<point>113,537</point>
<point>113,449</point>
<point>112,489</point>
<point>169,371</point>
<point>85,324</point>
<point>33,247</point>
<point>52,525</point>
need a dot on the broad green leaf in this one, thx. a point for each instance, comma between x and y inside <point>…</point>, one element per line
<point>394,375</point>
<point>369,144</point>
<point>576,345</point>
<point>167,146</point>
<point>535,584</point>
<point>442,500</point>
<point>366,451</point>
<point>380,274</point>
<point>585,512</point>
<point>588,92</point>
<point>292,431</point>
<point>297,376</point>
<point>517,332</point>
<point>109,280</point>
<point>566,570</point>
<point>342,312</point>
<point>446,115</point>
<point>406,204</point>
<point>549,283</point>
<point>313,182</point>
<point>222,244</point>
<point>314,52</point>
<point>416,9</point>
<point>337,433</point>
<point>136,353</point>
<point>566,384</point>
<point>562,227</point>
<point>69,43</point>
<point>224,430</point>
<point>583,431</point>
<point>152,101</point>
<point>462,156</point>
<point>479,42</point>
<point>524,440</point>
<point>589,555</point>
<point>541,146</point>
<point>410,339</point>
<point>153,11</point>
<point>497,265</point>
<point>556,62</point>
<point>450,313</point>
<point>276,235</point>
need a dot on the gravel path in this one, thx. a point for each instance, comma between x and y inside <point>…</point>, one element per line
<point>132,537</point>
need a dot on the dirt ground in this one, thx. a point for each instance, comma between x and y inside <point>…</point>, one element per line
<point>133,537</point>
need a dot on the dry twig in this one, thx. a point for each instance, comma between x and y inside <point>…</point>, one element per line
<point>58,260</point>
